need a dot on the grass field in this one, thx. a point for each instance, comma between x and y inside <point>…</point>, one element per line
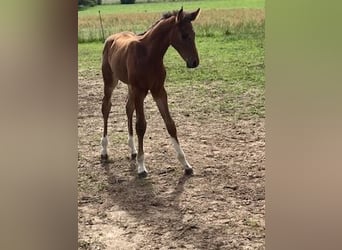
<point>233,67</point>
<point>215,16</point>
<point>219,110</point>
<point>163,6</point>
<point>230,44</point>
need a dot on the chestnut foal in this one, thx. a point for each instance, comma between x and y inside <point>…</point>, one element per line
<point>137,60</point>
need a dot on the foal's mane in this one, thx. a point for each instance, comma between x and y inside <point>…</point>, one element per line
<point>169,14</point>
<point>165,15</point>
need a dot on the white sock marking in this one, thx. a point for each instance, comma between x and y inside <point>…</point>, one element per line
<point>131,144</point>
<point>104,144</point>
<point>141,164</point>
<point>180,154</point>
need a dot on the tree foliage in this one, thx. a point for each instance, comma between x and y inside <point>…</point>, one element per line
<point>87,2</point>
<point>127,1</point>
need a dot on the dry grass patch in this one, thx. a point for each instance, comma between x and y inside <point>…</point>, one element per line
<point>210,22</point>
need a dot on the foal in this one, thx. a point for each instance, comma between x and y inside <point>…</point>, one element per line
<point>137,60</point>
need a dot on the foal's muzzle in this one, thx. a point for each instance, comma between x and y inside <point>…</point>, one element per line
<point>192,63</point>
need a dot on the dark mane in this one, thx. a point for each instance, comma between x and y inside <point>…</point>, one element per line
<point>169,14</point>
<point>165,15</point>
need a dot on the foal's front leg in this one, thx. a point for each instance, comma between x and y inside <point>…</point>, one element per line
<point>161,99</point>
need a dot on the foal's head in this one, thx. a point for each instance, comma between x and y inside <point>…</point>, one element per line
<point>183,37</point>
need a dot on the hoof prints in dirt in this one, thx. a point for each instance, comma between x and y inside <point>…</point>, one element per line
<point>221,207</point>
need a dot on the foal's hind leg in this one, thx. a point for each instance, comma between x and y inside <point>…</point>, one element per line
<point>110,83</point>
<point>129,111</point>
<point>161,99</point>
<point>140,127</point>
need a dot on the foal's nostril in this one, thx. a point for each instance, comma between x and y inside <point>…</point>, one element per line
<point>194,64</point>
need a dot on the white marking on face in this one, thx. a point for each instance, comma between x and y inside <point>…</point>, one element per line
<point>131,144</point>
<point>180,153</point>
<point>141,164</point>
<point>104,144</point>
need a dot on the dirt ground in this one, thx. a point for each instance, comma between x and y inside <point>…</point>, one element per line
<point>222,206</point>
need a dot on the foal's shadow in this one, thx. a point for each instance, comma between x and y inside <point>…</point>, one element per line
<point>179,188</point>
<point>138,196</point>
<point>148,201</point>
<point>126,189</point>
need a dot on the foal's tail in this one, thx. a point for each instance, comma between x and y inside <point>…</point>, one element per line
<point>107,89</point>
<point>107,73</point>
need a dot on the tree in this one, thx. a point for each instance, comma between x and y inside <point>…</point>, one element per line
<point>87,2</point>
<point>127,1</point>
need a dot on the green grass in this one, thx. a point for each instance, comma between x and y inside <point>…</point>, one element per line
<point>230,79</point>
<point>231,73</point>
<point>210,23</point>
<point>167,6</point>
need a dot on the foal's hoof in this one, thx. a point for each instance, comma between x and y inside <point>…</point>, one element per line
<point>133,156</point>
<point>189,171</point>
<point>104,157</point>
<point>142,174</point>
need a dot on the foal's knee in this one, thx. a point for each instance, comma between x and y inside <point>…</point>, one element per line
<point>106,100</point>
<point>106,105</point>
<point>140,127</point>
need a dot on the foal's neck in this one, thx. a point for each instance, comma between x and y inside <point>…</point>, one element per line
<point>157,40</point>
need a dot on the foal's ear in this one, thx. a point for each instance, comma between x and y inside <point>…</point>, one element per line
<point>180,15</point>
<point>195,14</point>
